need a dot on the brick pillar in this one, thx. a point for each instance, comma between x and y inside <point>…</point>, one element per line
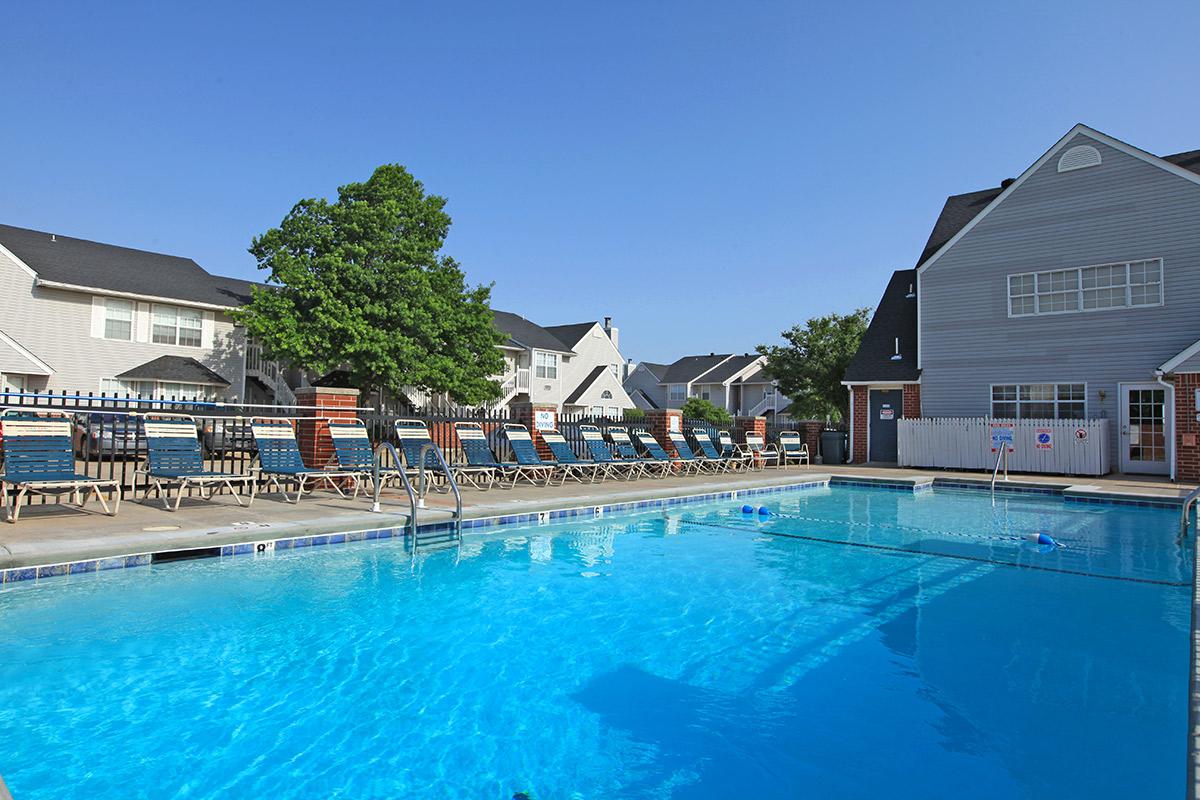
<point>858,425</point>
<point>911,407</point>
<point>1187,429</point>
<point>661,421</point>
<point>312,432</point>
<point>811,429</point>
<point>527,414</point>
<point>753,424</point>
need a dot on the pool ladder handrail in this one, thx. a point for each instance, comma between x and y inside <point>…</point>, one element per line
<point>1185,512</point>
<point>1001,455</point>
<point>430,447</point>
<point>377,484</point>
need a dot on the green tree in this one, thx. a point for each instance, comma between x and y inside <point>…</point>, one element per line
<point>359,284</point>
<point>699,408</point>
<point>810,366</point>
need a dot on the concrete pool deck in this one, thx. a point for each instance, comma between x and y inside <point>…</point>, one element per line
<point>54,534</point>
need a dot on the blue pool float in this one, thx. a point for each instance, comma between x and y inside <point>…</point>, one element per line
<point>763,511</point>
<point>747,509</point>
<point>1043,538</point>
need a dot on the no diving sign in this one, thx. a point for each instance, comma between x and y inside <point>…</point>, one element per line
<point>1043,438</point>
<point>1081,435</point>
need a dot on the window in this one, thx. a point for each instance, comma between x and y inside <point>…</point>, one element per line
<point>179,326</point>
<point>1039,401</point>
<point>606,395</point>
<point>614,412</point>
<point>181,391</point>
<point>596,411</point>
<point>547,365</point>
<point>118,319</point>
<point>678,392</point>
<point>1123,285</point>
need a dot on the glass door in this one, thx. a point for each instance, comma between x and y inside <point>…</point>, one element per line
<point>1144,429</point>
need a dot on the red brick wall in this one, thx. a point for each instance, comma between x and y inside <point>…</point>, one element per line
<point>811,429</point>
<point>658,420</point>
<point>526,414</point>
<point>912,401</point>
<point>754,424</point>
<point>858,424</point>
<point>1187,430</point>
<point>312,432</point>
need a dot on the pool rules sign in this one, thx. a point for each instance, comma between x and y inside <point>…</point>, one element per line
<point>1002,436</point>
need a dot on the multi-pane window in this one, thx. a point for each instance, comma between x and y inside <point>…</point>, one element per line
<point>1123,285</point>
<point>171,325</point>
<point>678,392</point>
<point>1039,401</point>
<point>118,319</point>
<point>179,391</point>
<point>546,365</point>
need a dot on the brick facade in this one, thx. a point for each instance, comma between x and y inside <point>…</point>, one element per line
<point>1187,429</point>
<point>312,432</point>
<point>527,413</point>
<point>753,424</point>
<point>811,429</point>
<point>659,421</point>
<point>858,436</point>
<point>911,407</point>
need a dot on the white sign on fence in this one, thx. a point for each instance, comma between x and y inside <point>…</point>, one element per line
<point>543,420</point>
<point>1002,434</point>
<point>964,443</point>
<point>1044,439</point>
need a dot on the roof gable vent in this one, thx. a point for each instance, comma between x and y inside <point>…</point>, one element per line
<point>1079,157</point>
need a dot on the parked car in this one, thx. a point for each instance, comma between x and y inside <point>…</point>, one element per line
<point>226,436</point>
<point>117,436</point>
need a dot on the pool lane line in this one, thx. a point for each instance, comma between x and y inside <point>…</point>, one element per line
<point>979,537</point>
<point>958,556</point>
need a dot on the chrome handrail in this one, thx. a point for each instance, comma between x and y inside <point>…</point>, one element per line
<point>1001,454</point>
<point>430,447</point>
<point>377,480</point>
<point>1185,512</point>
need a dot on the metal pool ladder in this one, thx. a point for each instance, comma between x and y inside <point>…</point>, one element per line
<point>416,499</point>
<point>1001,455</point>
<point>1185,513</point>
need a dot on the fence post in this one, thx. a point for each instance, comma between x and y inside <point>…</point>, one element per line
<point>742,425</point>
<point>312,433</point>
<point>661,421</point>
<point>530,414</point>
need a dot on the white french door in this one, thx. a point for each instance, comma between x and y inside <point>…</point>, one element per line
<point>1145,429</point>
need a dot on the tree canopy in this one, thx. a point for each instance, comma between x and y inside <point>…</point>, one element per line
<point>810,366</point>
<point>360,284</point>
<point>699,408</point>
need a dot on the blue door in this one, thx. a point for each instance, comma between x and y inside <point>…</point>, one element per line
<point>886,407</point>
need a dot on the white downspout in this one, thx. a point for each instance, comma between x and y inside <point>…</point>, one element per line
<point>1170,392</point>
<point>851,459</point>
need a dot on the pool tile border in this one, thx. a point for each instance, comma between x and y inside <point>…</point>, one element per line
<point>915,485</point>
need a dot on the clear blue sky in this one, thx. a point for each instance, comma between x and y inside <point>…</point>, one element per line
<point>706,173</point>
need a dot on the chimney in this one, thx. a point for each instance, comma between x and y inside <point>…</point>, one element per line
<point>611,331</point>
<point>1007,182</point>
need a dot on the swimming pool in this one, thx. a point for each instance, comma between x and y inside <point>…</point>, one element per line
<point>692,652</point>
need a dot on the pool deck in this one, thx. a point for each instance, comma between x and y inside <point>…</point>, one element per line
<point>57,534</point>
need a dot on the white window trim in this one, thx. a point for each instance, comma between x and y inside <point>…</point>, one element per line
<point>1162,289</point>
<point>1055,401</point>
<point>548,366</point>
<point>132,320</point>
<point>178,311</point>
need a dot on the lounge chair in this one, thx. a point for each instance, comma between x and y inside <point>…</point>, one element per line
<point>173,458</point>
<point>628,453</point>
<point>571,465</point>
<point>655,451</point>
<point>684,450</point>
<point>792,448</point>
<point>602,454</point>
<point>709,451</point>
<point>39,459</point>
<point>352,450</point>
<point>530,465</point>
<point>414,438</point>
<point>759,451</point>
<point>279,461</point>
<point>479,455</point>
<point>738,458</point>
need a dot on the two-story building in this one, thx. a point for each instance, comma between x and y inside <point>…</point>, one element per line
<point>735,382</point>
<point>1069,292</point>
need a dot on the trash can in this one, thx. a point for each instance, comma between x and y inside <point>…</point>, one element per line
<point>833,447</point>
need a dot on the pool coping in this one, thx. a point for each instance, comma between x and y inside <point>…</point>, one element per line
<point>915,483</point>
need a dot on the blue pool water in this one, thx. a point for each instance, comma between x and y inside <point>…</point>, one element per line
<point>691,653</point>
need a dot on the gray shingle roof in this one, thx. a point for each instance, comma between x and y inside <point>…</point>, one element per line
<point>176,369</point>
<point>688,368</point>
<point>657,370</point>
<point>523,333</point>
<point>585,384</point>
<point>731,367</point>
<point>80,262</point>
<point>895,317</point>
<point>570,335</point>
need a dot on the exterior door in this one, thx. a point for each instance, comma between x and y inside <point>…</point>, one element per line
<point>885,407</point>
<point>1144,428</point>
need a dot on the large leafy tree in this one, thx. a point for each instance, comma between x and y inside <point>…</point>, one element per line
<point>810,366</point>
<point>360,285</point>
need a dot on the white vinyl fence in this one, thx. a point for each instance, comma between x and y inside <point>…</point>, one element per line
<point>1060,446</point>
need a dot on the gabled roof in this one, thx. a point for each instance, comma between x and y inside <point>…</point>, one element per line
<point>758,376</point>
<point>570,335</point>
<point>896,317</point>
<point>17,359</point>
<point>175,369</point>
<point>585,384</point>
<point>727,369</point>
<point>647,399</point>
<point>688,368</point>
<point>657,370</point>
<point>92,265</point>
<point>964,211</point>
<point>525,334</point>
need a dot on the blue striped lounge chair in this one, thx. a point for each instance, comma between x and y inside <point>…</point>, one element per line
<point>709,451</point>
<point>792,448</point>
<point>39,459</point>
<point>738,458</point>
<point>697,463</point>
<point>628,453</point>
<point>480,458</point>
<point>602,454</point>
<point>571,465</point>
<point>279,461</point>
<point>352,450</point>
<point>414,439</point>
<point>530,465</point>
<point>659,455</point>
<point>174,459</point>
<point>761,454</point>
